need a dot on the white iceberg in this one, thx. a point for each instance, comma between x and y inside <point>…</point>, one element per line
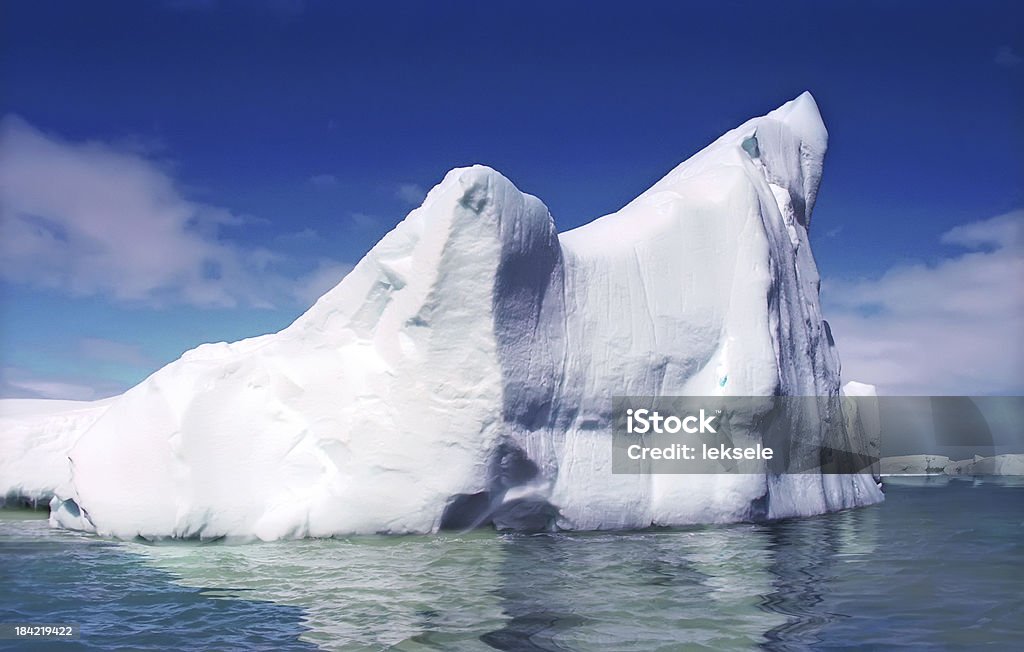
<point>1005,464</point>
<point>463,372</point>
<point>914,464</point>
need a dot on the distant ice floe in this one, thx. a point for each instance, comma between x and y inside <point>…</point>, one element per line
<point>1008,464</point>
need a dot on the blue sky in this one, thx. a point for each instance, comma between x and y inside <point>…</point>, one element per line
<point>191,171</point>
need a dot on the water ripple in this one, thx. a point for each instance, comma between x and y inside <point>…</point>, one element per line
<point>932,566</point>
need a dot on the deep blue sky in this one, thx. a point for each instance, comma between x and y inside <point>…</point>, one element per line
<point>310,117</point>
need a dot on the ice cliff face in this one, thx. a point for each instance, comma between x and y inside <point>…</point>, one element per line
<point>462,373</point>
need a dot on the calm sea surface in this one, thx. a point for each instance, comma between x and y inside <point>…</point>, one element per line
<point>939,564</point>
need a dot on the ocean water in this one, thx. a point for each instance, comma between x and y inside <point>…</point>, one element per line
<point>939,564</point>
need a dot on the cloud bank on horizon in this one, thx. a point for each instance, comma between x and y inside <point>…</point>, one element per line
<point>945,328</point>
<point>93,219</point>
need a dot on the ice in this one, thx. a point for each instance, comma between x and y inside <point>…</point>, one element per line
<point>462,373</point>
<point>1006,464</point>
<point>35,437</point>
<point>915,465</point>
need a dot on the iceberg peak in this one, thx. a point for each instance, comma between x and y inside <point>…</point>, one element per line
<point>801,115</point>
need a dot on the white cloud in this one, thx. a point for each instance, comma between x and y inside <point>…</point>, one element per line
<point>1004,231</point>
<point>411,193</point>
<point>1007,58</point>
<point>92,219</point>
<point>949,328</point>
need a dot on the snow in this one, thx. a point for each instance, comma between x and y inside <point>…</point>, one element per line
<point>463,372</point>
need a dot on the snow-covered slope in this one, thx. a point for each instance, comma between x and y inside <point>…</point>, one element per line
<point>463,372</point>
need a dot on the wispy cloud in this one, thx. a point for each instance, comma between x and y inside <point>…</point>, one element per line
<point>947,328</point>
<point>411,193</point>
<point>1007,58</point>
<point>110,351</point>
<point>323,180</point>
<point>93,219</point>
<point>323,278</point>
<point>363,221</point>
<point>55,389</point>
<point>304,235</point>
<point>19,383</point>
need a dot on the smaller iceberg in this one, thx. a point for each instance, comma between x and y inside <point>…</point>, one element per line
<point>1007,464</point>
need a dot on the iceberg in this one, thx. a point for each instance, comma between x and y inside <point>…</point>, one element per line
<point>462,373</point>
<point>1005,464</point>
<point>915,464</point>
